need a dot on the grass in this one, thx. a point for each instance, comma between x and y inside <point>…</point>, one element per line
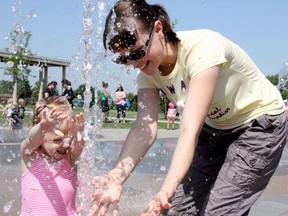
<point>111,124</point>
<point>128,123</point>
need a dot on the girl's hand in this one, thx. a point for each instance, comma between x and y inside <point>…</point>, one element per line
<point>106,192</point>
<point>78,127</point>
<point>51,119</point>
<point>79,122</point>
<point>157,204</point>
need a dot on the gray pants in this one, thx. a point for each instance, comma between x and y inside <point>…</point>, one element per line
<point>231,168</point>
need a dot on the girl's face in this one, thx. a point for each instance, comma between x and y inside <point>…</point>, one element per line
<point>57,144</point>
<point>150,43</point>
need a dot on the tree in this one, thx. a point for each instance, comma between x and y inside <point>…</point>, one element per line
<point>80,91</point>
<point>6,87</point>
<point>274,79</point>
<point>18,60</point>
<point>133,101</point>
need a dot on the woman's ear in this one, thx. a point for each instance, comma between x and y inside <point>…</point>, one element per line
<point>158,26</point>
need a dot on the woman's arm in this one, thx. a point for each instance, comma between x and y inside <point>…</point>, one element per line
<point>105,92</point>
<point>141,136</point>
<point>108,189</point>
<point>200,94</point>
<point>46,95</point>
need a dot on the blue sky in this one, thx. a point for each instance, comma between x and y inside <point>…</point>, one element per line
<point>258,26</point>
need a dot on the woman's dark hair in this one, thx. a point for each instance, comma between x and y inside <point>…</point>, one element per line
<point>119,88</point>
<point>118,36</point>
<point>53,83</point>
<point>65,81</point>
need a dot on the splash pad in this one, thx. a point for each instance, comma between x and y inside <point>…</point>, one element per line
<point>100,156</point>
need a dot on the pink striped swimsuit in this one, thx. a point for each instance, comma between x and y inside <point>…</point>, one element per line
<point>49,189</point>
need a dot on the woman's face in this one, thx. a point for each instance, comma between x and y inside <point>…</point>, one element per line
<point>150,62</point>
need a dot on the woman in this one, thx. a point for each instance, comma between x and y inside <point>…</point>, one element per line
<point>120,103</point>
<point>233,127</point>
<point>104,102</point>
<point>49,91</point>
<point>68,91</point>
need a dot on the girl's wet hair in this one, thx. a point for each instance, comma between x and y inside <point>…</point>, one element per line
<point>59,102</point>
<point>119,35</point>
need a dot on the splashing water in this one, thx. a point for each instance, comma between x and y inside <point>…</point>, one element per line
<point>93,121</point>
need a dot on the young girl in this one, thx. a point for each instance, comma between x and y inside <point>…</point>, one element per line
<point>233,127</point>
<point>49,154</point>
<point>171,115</point>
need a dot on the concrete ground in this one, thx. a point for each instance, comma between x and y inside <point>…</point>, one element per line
<point>273,202</point>
<point>120,134</point>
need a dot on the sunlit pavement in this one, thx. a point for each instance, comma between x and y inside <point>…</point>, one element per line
<point>145,181</point>
<point>273,201</point>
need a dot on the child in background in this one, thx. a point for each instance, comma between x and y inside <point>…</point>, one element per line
<point>9,113</point>
<point>49,154</point>
<point>21,106</point>
<point>171,115</point>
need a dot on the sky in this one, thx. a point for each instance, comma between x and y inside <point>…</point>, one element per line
<point>258,26</point>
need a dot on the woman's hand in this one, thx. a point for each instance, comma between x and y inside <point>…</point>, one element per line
<point>107,191</point>
<point>157,204</point>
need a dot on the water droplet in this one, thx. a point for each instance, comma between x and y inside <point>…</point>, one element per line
<point>7,207</point>
<point>141,105</point>
<point>152,154</point>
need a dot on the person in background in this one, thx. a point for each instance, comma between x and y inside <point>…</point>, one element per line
<point>49,91</point>
<point>68,91</point>
<point>171,115</point>
<point>233,127</point>
<point>120,103</point>
<point>8,111</point>
<point>21,105</point>
<point>49,155</point>
<point>2,109</point>
<point>104,102</point>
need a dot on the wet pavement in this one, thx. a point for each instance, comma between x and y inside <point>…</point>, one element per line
<point>145,181</point>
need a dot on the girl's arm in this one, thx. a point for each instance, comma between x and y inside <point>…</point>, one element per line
<point>77,144</point>
<point>50,119</point>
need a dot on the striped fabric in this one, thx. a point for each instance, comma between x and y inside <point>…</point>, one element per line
<point>49,189</point>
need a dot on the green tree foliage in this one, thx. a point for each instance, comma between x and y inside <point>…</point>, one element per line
<point>18,60</point>
<point>80,91</point>
<point>133,101</point>
<point>274,79</point>
<point>35,90</point>
<point>6,87</point>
